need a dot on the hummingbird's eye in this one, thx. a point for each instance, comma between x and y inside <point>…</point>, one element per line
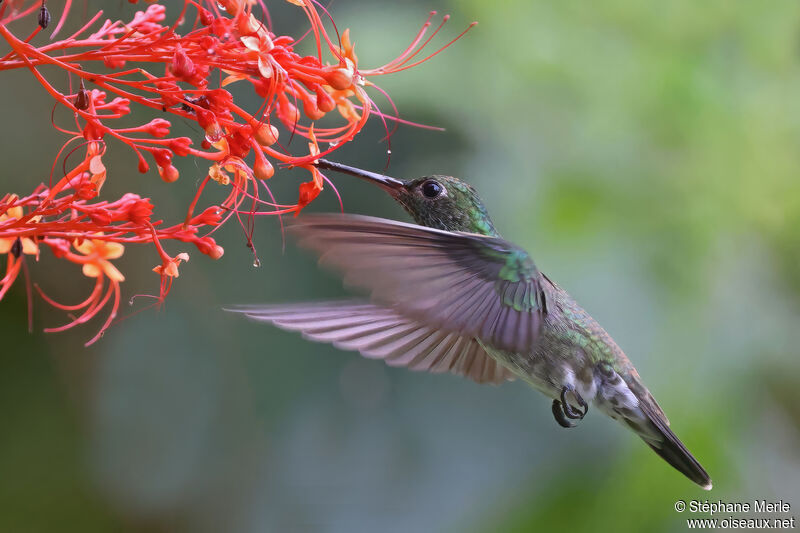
<point>432,189</point>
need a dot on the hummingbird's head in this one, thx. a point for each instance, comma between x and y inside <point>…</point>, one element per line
<point>442,202</point>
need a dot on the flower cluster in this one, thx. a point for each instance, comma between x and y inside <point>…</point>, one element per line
<point>177,67</point>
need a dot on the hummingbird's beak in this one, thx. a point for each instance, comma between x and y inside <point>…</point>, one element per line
<point>388,184</point>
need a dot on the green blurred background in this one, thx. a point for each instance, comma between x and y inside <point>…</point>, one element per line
<point>646,153</point>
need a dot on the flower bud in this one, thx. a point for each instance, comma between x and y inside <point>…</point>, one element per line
<point>206,18</point>
<point>140,211</point>
<point>248,24</point>
<point>209,247</point>
<point>287,111</point>
<point>308,191</point>
<point>325,101</point>
<point>100,216</point>
<point>120,106</point>
<point>168,173</point>
<point>266,135</point>
<point>210,217</point>
<point>233,7</point>
<point>162,156</point>
<point>180,146</point>
<point>182,65</point>
<point>310,108</point>
<point>262,169</point>
<point>208,121</point>
<point>114,62</point>
<point>158,127</point>
<point>59,247</point>
<point>341,78</point>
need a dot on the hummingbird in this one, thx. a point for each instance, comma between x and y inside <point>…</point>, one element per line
<point>449,294</point>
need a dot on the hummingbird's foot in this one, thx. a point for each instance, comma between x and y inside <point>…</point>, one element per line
<point>562,410</point>
<point>558,413</point>
<point>568,409</point>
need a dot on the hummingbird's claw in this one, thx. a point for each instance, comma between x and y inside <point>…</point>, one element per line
<point>562,410</point>
<point>558,413</point>
<point>568,409</point>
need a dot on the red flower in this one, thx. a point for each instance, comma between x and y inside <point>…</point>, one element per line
<point>173,78</point>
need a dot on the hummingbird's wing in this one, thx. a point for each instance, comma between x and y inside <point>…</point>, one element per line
<point>382,333</point>
<point>469,284</point>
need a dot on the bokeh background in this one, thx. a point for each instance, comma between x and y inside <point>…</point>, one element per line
<point>646,153</point>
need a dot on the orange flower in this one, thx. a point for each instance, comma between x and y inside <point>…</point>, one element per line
<point>171,267</point>
<point>29,246</point>
<point>254,36</point>
<point>98,252</point>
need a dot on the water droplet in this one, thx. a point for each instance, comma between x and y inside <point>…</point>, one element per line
<point>130,302</point>
<point>389,152</point>
<point>214,136</point>
<point>256,262</point>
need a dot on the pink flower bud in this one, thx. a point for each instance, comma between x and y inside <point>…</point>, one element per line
<point>114,62</point>
<point>158,127</point>
<point>180,146</point>
<point>140,211</point>
<point>182,66</point>
<point>59,247</point>
<point>210,217</point>
<point>206,18</point>
<point>162,156</point>
<point>209,247</point>
<point>100,216</point>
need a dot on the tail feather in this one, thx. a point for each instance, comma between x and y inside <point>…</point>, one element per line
<point>655,431</point>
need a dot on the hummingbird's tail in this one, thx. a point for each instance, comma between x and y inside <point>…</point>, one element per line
<point>650,423</point>
<point>623,397</point>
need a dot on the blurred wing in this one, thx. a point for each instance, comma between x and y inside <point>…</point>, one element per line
<point>381,333</point>
<point>473,285</point>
